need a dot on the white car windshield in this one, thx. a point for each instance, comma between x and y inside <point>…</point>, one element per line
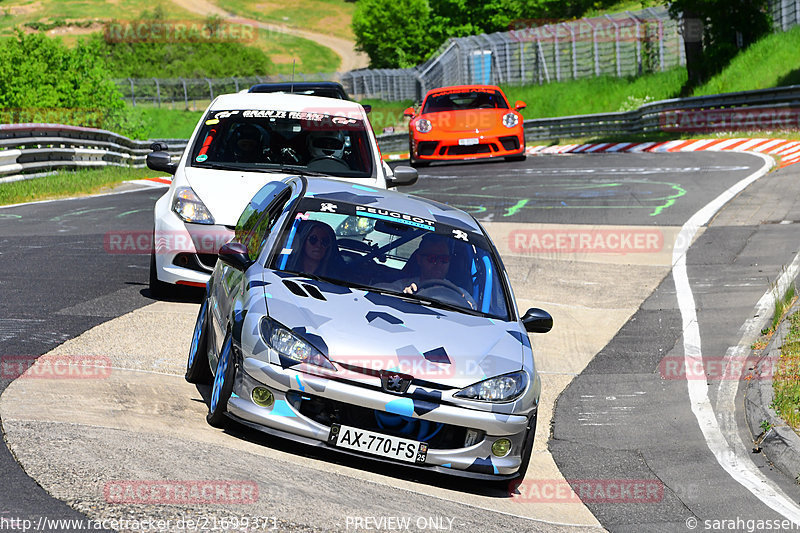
<point>269,140</point>
<point>371,248</point>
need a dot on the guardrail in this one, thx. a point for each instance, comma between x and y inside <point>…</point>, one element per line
<point>666,115</point>
<point>30,150</point>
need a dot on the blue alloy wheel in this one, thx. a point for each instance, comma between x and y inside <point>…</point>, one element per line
<point>197,370</point>
<point>223,385</point>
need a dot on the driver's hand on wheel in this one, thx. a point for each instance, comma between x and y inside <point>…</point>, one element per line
<point>411,289</point>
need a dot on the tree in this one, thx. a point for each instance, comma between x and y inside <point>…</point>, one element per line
<point>404,33</point>
<point>39,72</point>
<point>727,27</point>
<point>393,33</point>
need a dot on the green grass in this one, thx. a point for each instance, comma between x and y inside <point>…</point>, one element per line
<point>280,48</point>
<point>786,382</point>
<point>595,95</point>
<point>18,12</point>
<point>387,114</point>
<point>65,184</point>
<point>621,6</point>
<point>771,62</point>
<point>311,57</point>
<point>166,123</point>
<point>331,17</point>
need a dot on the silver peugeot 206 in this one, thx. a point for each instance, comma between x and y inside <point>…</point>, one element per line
<point>373,323</point>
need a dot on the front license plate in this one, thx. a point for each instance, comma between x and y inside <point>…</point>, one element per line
<point>410,451</point>
<point>469,142</point>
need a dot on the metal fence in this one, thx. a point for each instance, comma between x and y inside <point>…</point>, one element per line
<point>785,13</point>
<point>626,44</point>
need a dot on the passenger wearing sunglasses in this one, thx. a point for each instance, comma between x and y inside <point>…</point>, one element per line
<point>316,251</point>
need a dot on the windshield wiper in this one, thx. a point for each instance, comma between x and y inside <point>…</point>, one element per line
<point>295,170</point>
<point>228,166</point>
<point>411,297</point>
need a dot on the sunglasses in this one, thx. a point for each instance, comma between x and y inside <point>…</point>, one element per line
<point>435,259</point>
<point>325,241</point>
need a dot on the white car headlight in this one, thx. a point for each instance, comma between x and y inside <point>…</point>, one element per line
<point>503,388</point>
<point>423,125</point>
<point>291,346</point>
<point>190,208</point>
<point>510,120</point>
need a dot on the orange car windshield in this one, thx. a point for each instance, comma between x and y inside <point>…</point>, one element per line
<point>456,101</point>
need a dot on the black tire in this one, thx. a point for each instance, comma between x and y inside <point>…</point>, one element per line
<point>197,370</point>
<point>520,157</point>
<point>222,386</point>
<point>158,289</point>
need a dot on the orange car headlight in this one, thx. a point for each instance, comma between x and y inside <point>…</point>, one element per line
<point>510,120</point>
<point>423,125</point>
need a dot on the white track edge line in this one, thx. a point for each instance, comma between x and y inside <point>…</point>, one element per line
<point>741,469</point>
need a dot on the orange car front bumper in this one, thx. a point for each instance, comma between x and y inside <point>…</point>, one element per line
<point>454,148</point>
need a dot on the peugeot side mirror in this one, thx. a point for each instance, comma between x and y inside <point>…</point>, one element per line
<point>537,321</point>
<point>235,255</point>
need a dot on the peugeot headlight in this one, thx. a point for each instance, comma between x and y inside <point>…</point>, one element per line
<point>423,125</point>
<point>503,388</point>
<point>190,208</point>
<point>291,346</point>
<point>510,120</point>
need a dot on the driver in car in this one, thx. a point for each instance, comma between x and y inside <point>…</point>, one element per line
<point>326,144</point>
<point>433,261</point>
<point>247,144</point>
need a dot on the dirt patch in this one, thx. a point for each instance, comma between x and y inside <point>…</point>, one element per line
<point>26,9</point>
<point>341,22</point>
<point>202,7</point>
<point>344,48</point>
<point>75,30</point>
<point>281,59</point>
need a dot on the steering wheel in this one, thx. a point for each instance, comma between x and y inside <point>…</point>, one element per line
<point>325,162</point>
<point>449,286</point>
<point>289,155</point>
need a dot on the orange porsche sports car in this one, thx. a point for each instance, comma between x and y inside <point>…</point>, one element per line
<point>465,122</point>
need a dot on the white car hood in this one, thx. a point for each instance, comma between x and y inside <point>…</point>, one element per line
<point>226,193</point>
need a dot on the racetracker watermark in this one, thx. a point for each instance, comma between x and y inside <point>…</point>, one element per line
<point>718,368</point>
<point>179,31</point>
<point>194,492</point>
<point>588,491</point>
<point>586,240</point>
<point>596,30</point>
<point>742,119</point>
<point>55,367</point>
<point>201,241</point>
<point>187,522</point>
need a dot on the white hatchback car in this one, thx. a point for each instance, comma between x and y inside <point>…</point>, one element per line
<point>243,141</point>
